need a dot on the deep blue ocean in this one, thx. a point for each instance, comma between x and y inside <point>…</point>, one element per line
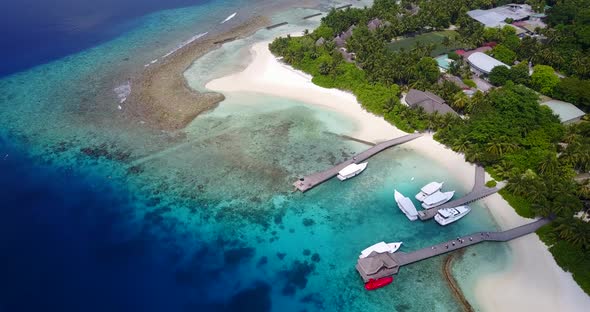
<point>68,245</point>
<point>37,31</point>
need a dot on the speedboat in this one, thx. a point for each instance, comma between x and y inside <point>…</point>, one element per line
<point>406,205</point>
<point>380,247</point>
<point>437,199</point>
<point>351,171</point>
<point>449,215</point>
<point>428,190</point>
<point>373,284</point>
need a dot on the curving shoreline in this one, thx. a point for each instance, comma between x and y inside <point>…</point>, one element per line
<point>515,288</point>
<point>452,283</point>
<point>161,96</point>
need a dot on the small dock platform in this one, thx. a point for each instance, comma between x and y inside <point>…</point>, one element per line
<point>478,192</point>
<point>313,15</point>
<point>276,25</point>
<point>308,182</point>
<point>378,265</point>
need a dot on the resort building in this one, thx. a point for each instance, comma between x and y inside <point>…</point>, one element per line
<point>496,17</point>
<point>429,101</point>
<point>567,112</point>
<point>482,64</point>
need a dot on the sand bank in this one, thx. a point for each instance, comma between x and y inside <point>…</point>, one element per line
<point>265,74</point>
<point>532,282</point>
<point>161,97</point>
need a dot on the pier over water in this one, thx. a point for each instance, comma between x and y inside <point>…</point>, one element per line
<point>310,181</point>
<point>378,265</point>
<point>479,191</point>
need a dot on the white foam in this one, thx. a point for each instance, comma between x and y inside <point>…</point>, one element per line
<point>123,92</point>
<point>229,17</point>
<point>184,43</point>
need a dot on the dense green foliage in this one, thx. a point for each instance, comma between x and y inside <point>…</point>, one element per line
<point>575,91</point>
<point>544,79</point>
<point>567,47</point>
<point>503,54</point>
<point>500,75</point>
<point>491,183</point>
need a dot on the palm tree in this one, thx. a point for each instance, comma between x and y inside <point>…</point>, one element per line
<point>566,230</point>
<point>460,101</point>
<point>549,166</point>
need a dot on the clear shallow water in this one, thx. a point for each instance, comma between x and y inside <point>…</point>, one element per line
<point>102,215</point>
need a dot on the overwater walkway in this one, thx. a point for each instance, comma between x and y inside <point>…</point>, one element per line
<point>308,182</point>
<point>385,264</point>
<point>479,191</point>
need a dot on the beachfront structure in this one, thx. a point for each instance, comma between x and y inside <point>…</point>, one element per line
<point>429,101</point>
<point>567,112</point>
<point>482,64</point>
<point>496,17</point>
<point>374,24</point>
<point>378,265</point>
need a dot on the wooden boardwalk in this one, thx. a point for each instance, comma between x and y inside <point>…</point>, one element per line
<point>479,191</point>
<point>308,182</point>
<point>385,264</point>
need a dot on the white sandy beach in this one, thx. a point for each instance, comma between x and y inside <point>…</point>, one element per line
<point>534,282</point>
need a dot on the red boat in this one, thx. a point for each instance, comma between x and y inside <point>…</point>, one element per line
<point>373,284</point>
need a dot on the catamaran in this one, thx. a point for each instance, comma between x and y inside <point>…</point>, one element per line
<point>428,190</point>
<point>437,199</point>
<point>406,205</point>
<point>380,247</point>
<point>449,215</point>
<point>351,171</point>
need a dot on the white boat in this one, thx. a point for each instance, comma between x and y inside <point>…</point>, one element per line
<point>351,171</point>
<point>406,205</point>
<point>450,215</point>
<point>437,199</point>
<point>380,247</point>
<point>428,190</point>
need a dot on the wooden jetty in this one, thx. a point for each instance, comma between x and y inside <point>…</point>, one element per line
<point>378,265</point>
<point>479,191</point>
<point>344,6</point>
<point>308,182</point>
<point>313,15</point>
<point>276,25</point>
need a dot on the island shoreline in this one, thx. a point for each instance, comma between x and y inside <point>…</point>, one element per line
<point>161,96</point>
<point>266,74</point>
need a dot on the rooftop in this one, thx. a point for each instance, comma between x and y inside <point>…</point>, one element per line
<point>565,111</point>
<point>495,17</point>
<point>429,101</point>
<point>484,62</point>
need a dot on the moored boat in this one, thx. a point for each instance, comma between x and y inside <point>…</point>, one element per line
<point>373,284</point>
<point>406,205</point>
<point>449,215</point>
<point>437,199</point>
<point>380,247</point>
<point>351,171</point>
<point>428,190</point>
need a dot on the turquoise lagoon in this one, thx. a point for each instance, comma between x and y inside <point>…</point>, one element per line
<point>215,202</point>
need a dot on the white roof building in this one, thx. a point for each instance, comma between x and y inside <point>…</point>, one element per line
<point>495,17</point>
<point>483,62</point>
<point>567,112</point>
